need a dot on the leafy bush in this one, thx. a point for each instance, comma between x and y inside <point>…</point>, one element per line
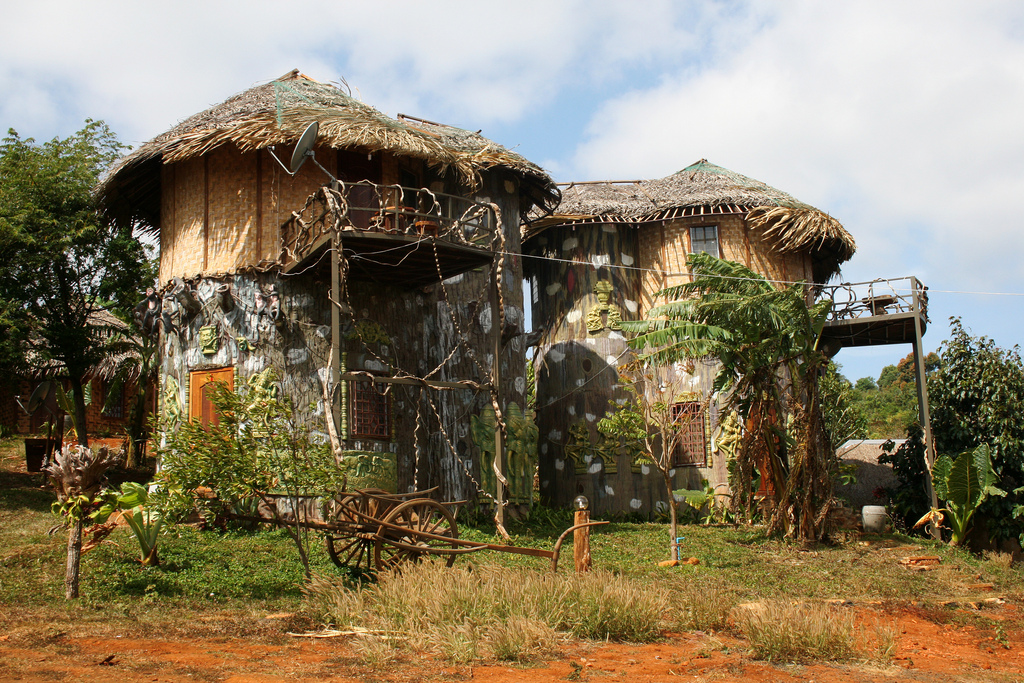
<point>258,449</point>
<point>964,484</point>
<point>909,499</point>
<point>977,397</point>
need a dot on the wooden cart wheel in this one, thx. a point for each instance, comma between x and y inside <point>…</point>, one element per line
<point>420,515</point>
<point>346,548</point>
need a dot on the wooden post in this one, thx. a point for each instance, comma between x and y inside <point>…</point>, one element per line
<point>581,542</point>
<point>923,412</point>
<point>335,395</point>
<point>499,446</point>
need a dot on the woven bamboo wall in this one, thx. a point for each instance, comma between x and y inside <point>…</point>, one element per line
<point>223,211</point>
<point>664,248</point>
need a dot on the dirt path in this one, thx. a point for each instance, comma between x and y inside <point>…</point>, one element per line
<point>927,651</point>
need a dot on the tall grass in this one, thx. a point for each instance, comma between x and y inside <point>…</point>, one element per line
<point>489,611</point>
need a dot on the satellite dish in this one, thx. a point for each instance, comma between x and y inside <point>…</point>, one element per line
<point>40,396</point>
<point>304,148</point>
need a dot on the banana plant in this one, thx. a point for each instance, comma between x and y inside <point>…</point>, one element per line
<point>145,522</point>
<point>964,484</point>
<point>701,501</point>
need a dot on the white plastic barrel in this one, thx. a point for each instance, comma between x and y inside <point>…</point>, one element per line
<point>873,517</point>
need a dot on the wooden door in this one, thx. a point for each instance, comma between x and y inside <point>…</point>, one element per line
<point>201,384</point>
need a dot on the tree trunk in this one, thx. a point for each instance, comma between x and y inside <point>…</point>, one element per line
<point>673,528</point>
<point>74,566</point>
<point>81,430</point>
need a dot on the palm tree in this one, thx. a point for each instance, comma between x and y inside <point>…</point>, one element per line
<point>767,341</point>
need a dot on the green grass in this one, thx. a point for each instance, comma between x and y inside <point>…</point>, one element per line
<point>226,582</point>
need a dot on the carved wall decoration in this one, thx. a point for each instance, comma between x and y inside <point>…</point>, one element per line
<point>578,446</point>
<point>602,309</point>
<point>369,331</point>
<point>209,340</point>
<point>172,402</point>
<point>520,447</point>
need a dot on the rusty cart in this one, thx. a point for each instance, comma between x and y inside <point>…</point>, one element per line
<point>372,530</point>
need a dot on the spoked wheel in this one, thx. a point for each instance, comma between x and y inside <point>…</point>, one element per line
<point>354,549</point>
<point>394,547</point>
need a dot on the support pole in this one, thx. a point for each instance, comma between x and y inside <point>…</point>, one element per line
<point>335,395</point>
<point>923,411</point>
<point>499,445</point>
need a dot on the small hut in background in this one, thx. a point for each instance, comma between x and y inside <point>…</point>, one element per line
<point>600,258</point>
<point>408,242</point>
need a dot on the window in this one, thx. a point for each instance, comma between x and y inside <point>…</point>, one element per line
<point>113,401</point>
<point>371,411</point>
<point>704,240</point>
<point>691,449</point>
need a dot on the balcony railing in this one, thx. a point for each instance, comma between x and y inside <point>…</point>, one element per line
<point>369,209</point>
<point>851,301</point>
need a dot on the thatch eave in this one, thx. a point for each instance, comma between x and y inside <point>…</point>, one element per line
<point>707,190</point>
<point>277,113</point>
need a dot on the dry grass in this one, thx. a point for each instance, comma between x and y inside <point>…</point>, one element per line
<point>801,633</point>
<point>998,560</point>
<point>464,614</point>
<point>699,604</point>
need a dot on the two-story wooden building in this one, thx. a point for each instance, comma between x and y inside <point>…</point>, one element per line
<point>599,259</point>
<point>378,275</point>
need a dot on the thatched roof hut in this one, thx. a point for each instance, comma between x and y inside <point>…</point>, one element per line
<point>276,113</point>
<point>704,188</point>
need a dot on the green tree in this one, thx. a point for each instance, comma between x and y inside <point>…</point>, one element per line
<point>648,422</point>
<point>977,397</point>
<point>766,339</point>
<point>843,420</point>
<point>890,406</point>
<point>59,260</point>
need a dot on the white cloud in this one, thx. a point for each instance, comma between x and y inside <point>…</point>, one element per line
<point>903,119</point>
<point>145,66</point>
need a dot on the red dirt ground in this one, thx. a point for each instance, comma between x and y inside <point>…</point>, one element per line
<point>927,651</point>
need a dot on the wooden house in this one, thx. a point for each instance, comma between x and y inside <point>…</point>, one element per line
<point>377,285</point>
<point>600,258</point>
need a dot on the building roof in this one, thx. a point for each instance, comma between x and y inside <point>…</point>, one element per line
<point>704,188</point>
<point>109,326</point>
<point>277,113</point>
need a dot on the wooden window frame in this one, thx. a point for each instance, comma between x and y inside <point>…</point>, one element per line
<point>363,396</point>
<point>718,240</point>
<point>691,447</point>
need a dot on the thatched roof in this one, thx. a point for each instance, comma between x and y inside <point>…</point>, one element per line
<point>277,112</point>
<point>108,326</point>
<point>704,188</point>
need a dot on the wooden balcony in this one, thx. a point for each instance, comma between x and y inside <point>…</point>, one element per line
<point>876,312</point>
<point>391,234</point>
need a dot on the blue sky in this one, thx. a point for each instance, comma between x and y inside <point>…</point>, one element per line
<point>903,120</point>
